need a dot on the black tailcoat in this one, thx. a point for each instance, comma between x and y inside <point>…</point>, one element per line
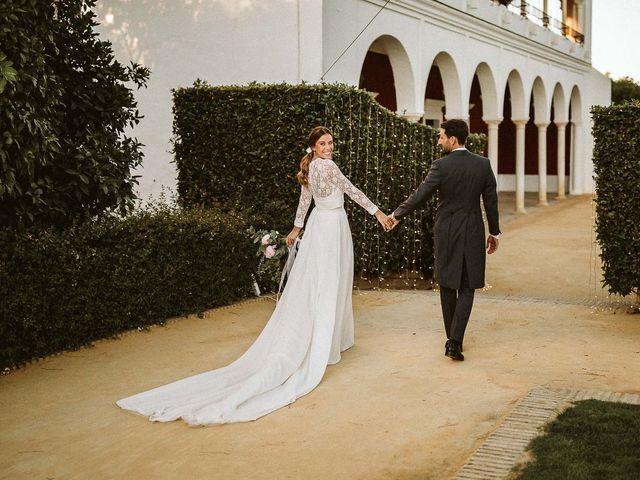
<point>461,178</point>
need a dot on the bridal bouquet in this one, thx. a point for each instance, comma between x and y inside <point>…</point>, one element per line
<point>272,250</point>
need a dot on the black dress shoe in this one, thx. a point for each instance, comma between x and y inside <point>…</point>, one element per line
<point>446,345</point>
<point>453,350</point>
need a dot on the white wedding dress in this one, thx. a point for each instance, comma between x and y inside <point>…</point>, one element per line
<point>311,324</point>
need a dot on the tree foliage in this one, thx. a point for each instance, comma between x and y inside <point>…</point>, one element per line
<point>64,106</point>
<point>624,89</point>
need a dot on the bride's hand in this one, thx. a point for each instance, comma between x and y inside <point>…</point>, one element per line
<point>293,234</point>
<point>384,220</point>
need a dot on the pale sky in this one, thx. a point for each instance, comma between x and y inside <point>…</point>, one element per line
<point>616,36</point>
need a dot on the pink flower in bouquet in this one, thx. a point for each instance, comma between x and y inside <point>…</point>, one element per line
<point>270,251</point>
<point>265,239</point>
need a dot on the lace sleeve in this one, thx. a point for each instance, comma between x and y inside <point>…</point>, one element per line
<point>338,179</point>
<point>303,206</point>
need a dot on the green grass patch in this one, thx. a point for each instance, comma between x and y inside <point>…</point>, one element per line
<point>593,440</point>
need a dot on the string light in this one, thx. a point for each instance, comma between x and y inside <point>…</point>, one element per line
<point>387,158</point>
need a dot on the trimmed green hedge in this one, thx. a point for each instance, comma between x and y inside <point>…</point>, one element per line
<point>241,146</point>
<point>616,159</point>
<point>63,290</point>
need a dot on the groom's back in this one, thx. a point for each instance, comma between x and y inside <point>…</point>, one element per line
<point>464,178</point>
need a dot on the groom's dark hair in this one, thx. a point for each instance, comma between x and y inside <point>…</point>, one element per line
<point>456,128</point>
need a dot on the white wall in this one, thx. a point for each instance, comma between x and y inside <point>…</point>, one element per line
<point>220,41</point>
<point>598,93</point>
<point>239,41</point>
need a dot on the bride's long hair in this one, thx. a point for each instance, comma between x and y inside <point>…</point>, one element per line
<point>314,135</point>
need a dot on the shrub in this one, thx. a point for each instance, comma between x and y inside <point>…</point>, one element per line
<point>616,159</point>
<point>624,89</point>
<point>62,290</point>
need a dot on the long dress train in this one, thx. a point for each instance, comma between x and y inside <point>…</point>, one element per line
<point>309,328</point>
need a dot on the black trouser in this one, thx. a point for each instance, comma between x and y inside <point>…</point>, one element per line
<point>456,307</point>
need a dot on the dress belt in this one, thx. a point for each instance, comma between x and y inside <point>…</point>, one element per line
<point>329,207</point>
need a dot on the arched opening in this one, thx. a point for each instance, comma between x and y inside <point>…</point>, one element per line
<point>442,94</point>
<point>483,111</point>
<point>386,73</point>
<point>476,109</point>
<point>552,146</point>
<point>557,133</point>
<point>538,115</point>
<point>376,76</point>
<point>507,140</point>
<point>434,100</point>
<point>488,90</point>
<point>567,146</point>
<point>536,154</point>
<point>512,139</point>
<point>574,160</point>
<point>531,143</point>
<point>513,108</point>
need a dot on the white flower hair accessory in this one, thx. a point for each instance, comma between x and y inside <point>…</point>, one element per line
<point>308,150</point>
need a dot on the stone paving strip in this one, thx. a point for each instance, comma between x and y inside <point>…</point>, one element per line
<point>504,447</point>
<point>604,302</point>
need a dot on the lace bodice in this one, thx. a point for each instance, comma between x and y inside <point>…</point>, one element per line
<point>325,179</point>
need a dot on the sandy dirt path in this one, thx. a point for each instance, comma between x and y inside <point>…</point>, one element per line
<point>394,408</point>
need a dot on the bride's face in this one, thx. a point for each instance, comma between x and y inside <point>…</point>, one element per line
<point>324,146</point>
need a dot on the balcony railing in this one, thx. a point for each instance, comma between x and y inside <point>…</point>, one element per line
<point>534,14</point>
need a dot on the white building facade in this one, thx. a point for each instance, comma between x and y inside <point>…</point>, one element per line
<point>520,73</point>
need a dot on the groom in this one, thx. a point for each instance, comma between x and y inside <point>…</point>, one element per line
<point>461,178</point>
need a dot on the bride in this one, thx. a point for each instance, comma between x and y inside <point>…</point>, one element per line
<point>310,326</point>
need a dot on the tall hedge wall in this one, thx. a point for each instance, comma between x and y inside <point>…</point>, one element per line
<point>241,146</point>
<point>616,159</point>
<point>62,290</point>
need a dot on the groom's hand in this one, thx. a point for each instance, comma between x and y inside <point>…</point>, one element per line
<point>492,244</point>
<point>389,224</point>
<point>393,223</point>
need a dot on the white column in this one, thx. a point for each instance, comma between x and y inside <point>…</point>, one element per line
<point>492,143</point>
<point>458,116</point>
<point>520,126</point>
<point>542,163</point>
<point>412,117</point>
<point>561,149</point>
<point>577,166</point>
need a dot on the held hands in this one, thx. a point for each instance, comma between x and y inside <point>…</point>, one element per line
<point>383,219</point>
<point>492,244</point>
<point>387,222</point>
